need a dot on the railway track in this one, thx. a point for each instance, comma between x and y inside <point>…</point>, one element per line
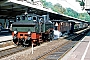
<point>11,51</point>
<point>59,52</point>
<point>55,53</point>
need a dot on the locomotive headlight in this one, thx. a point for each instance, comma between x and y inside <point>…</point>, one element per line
<point>29,32</point>
<point>15,32</point>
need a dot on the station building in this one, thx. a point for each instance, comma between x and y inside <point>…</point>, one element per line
<point>9,9</point>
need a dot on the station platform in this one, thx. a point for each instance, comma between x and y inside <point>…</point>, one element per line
<point>5,39</point>
<point>81,51</point>
<point>83,30</point>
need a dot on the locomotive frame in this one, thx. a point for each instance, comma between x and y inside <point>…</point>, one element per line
<point>32,28</point>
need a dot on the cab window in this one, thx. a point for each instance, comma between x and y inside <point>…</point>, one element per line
<point>29,18</point>
<point>34,19</point>
<point>18,18</point>
<point>23,17</point>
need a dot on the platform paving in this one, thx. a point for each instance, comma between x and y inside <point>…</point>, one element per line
<point>5,38</point>
<point>81,51</point>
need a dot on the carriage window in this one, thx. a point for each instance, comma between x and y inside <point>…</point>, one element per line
<point>29,18</point>
<point>18,18</point>
<point>23,17</point>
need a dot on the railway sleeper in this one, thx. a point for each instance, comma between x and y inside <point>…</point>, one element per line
<point>63,50</point>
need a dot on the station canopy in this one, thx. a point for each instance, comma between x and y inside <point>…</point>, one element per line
<point>11,8</point>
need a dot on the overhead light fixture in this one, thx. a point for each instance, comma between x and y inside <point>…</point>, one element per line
<point>56,24</point>
<point>88,11</point>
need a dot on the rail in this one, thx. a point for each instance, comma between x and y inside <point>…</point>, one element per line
<point>62,50</point>
<point>83,30</point>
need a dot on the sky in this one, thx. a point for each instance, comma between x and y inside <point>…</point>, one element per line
<point>68,3</point>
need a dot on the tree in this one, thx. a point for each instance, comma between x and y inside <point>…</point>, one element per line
<point>58,8</point>
<point>47,4</point>
<point>68,11</point>
<point>87,17</point>
<point>71,12</point>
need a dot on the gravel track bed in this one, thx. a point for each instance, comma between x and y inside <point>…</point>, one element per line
<point>38,51</point>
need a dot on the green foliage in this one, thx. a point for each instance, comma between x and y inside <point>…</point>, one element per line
<point>47,4</point>
<point>81,16</point>
<point>84,16</point>
<point>82,3</point>
<point>68,11</point>
<point>71,12</point>
<point>58,8</point>
<point>87,17</point>
<point>78,0</point>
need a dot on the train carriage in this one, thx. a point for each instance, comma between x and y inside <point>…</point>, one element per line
<point>62,26</point>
